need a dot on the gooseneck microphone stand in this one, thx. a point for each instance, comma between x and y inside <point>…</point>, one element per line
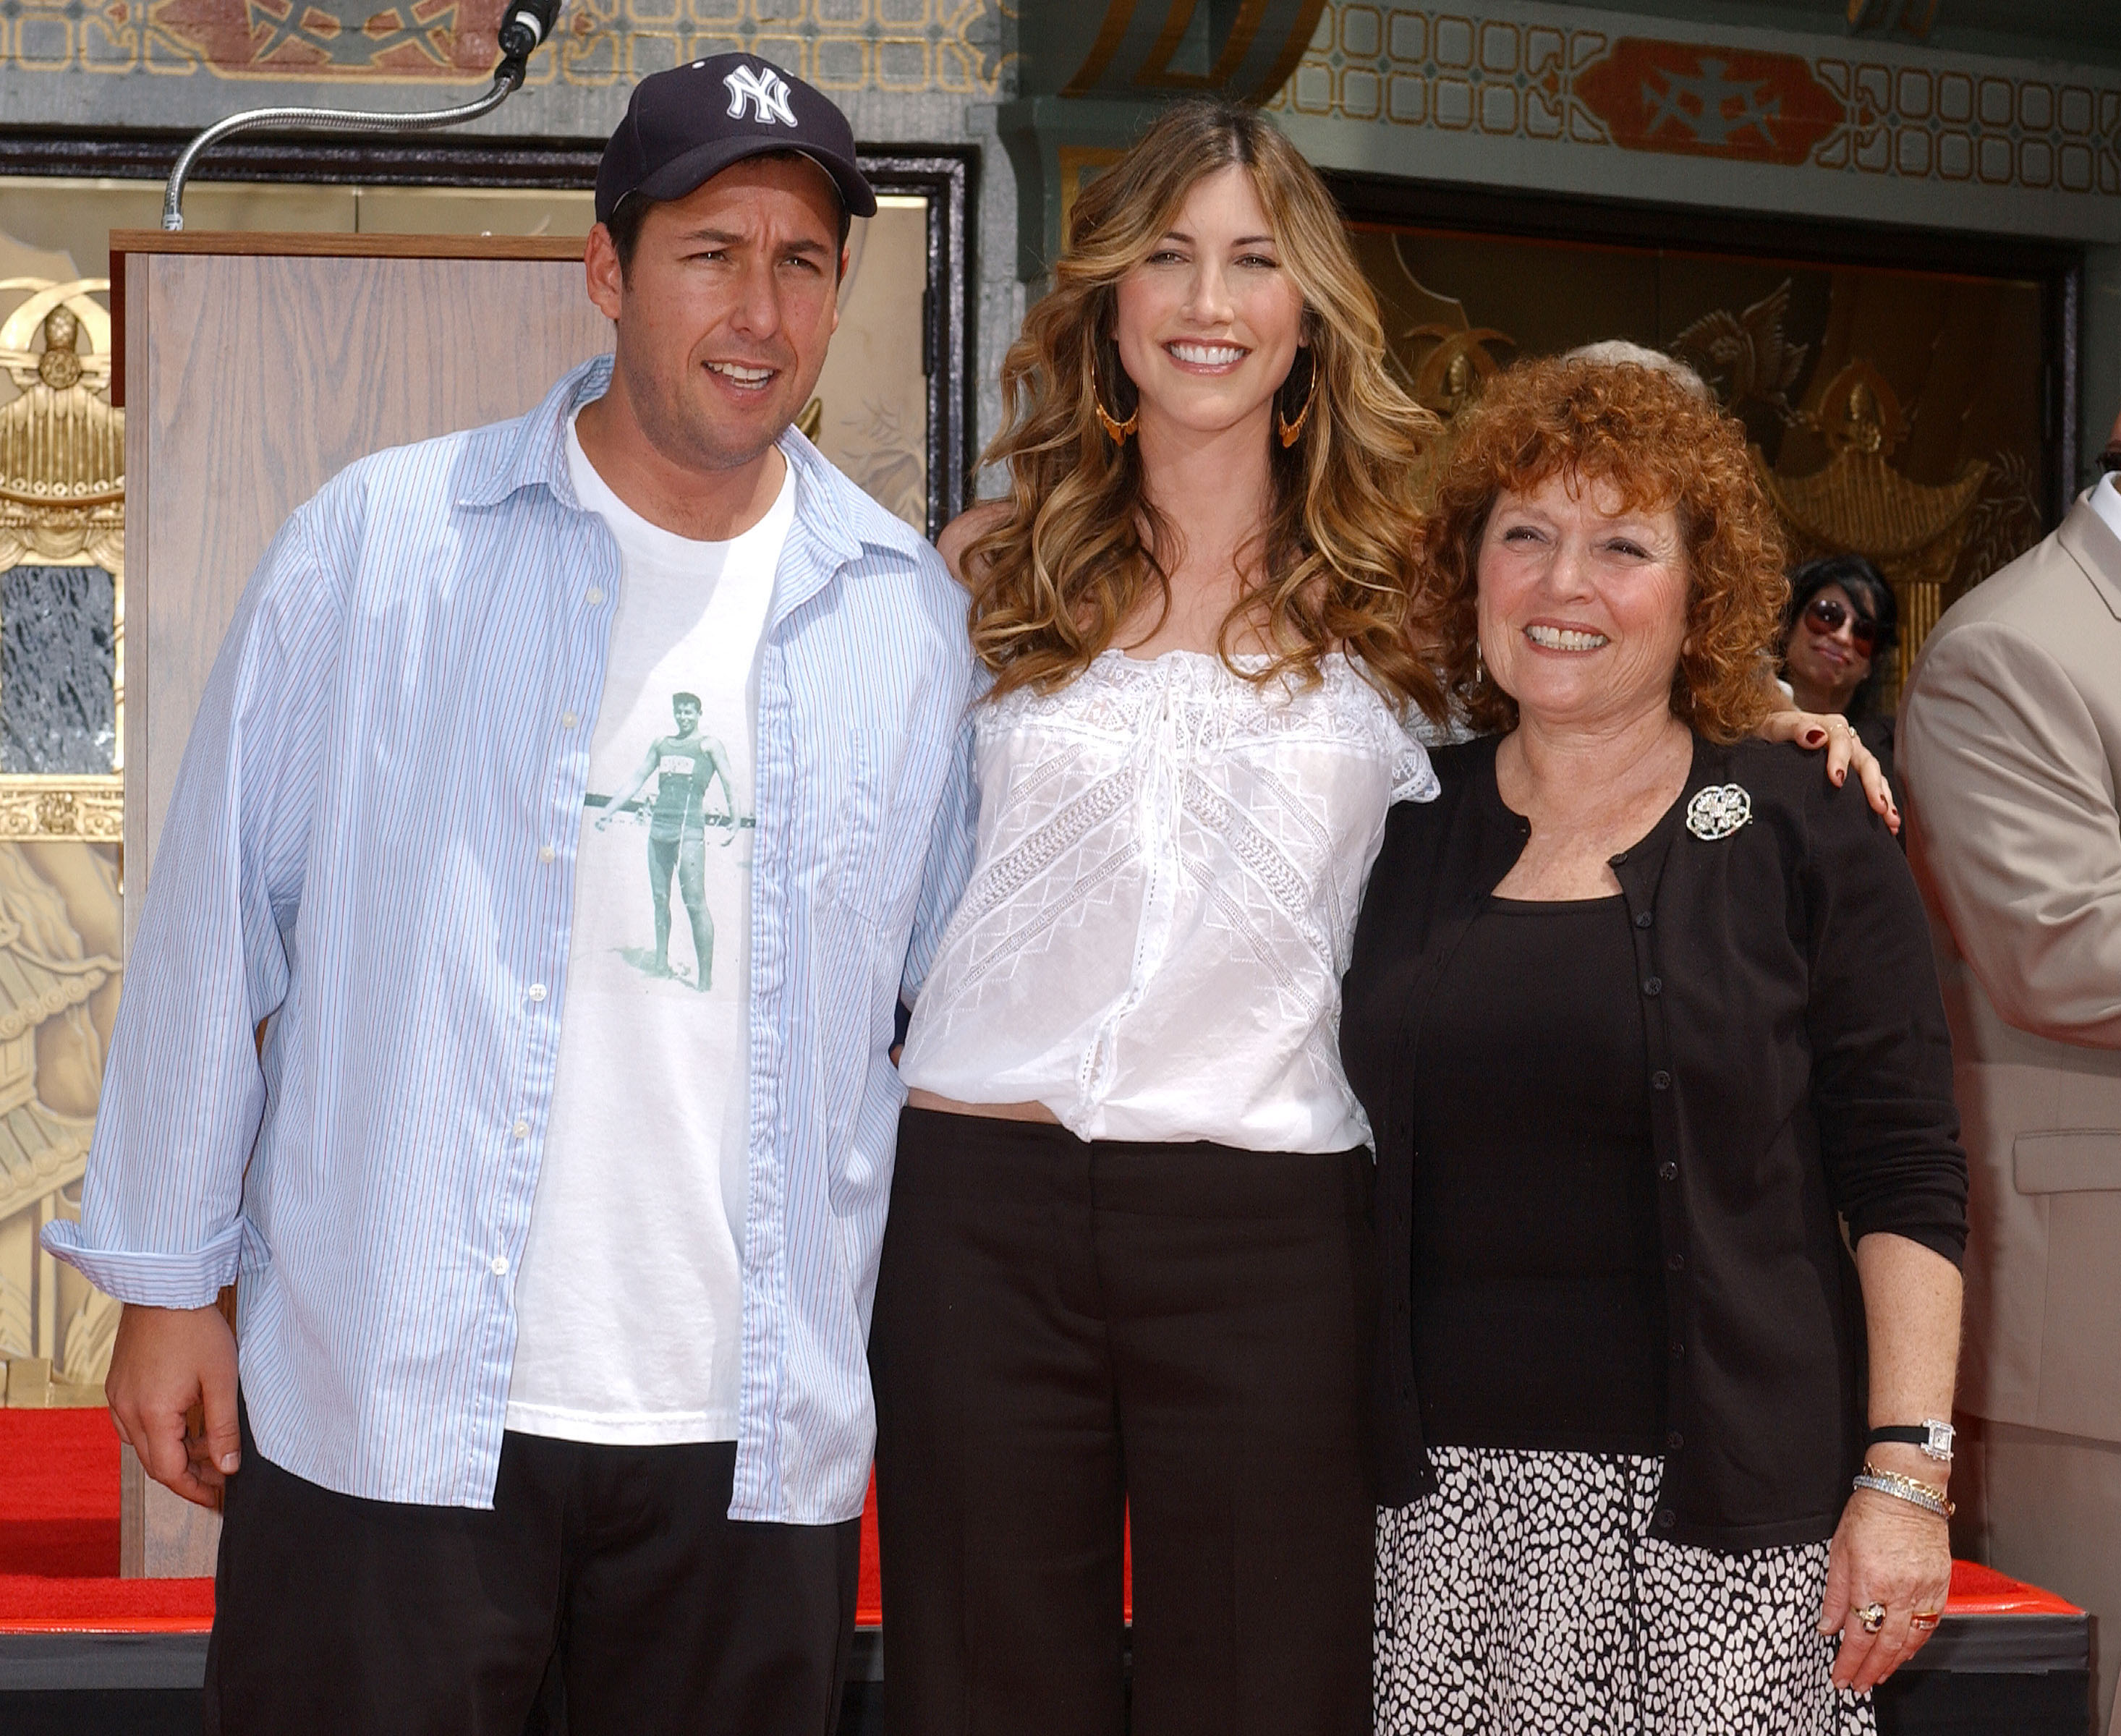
<point>526,23</point>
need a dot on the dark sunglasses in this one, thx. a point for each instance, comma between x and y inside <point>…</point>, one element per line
<point>1826,615</point>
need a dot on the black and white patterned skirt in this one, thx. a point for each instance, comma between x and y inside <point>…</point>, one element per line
<point>1525,1597</point>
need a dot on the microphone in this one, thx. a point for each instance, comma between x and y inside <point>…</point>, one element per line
<point>524,26</point>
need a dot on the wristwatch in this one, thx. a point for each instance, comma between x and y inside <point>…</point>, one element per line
<point>1932,1436</point>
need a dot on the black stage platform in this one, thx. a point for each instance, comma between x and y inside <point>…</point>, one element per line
<point>1982,1675</point>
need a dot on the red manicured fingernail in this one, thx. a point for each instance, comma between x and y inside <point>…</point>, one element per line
<point>1815,737</point>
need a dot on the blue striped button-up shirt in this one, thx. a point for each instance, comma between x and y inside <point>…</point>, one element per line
<point>370,849</point>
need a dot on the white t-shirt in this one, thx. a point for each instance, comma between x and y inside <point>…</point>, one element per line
<point>629,1299</point>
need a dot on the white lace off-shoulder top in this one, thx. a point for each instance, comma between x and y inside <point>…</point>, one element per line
<point>1170,860</point>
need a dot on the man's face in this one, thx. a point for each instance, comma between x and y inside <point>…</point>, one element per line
<point>724,315</point>
<point>687,713</point>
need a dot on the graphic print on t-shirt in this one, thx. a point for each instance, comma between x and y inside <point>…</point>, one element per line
<point>685,765</point>
<point>629,1295</point>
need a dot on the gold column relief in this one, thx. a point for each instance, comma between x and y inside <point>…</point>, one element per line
<point>63,504</point>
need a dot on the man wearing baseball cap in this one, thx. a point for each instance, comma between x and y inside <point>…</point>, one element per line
<point>557,1236</point>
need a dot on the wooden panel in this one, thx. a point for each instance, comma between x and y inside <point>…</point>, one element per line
<point>133,1517</point>
<point>256,376</point>
<point>306,244</point>
<point>261,366</point>
<point>176,1539</point>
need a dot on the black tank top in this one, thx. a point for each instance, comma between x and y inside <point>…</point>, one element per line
<point>1539,1309</point>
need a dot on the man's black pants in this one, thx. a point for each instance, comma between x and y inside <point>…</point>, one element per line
<point>616,1567</point>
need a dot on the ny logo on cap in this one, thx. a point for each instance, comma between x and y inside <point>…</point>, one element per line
<point>762,90</point>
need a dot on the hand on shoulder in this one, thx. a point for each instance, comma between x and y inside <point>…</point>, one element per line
<point>1845,753</point>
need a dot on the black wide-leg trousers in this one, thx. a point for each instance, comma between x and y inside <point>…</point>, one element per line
<point>1069,1335</point>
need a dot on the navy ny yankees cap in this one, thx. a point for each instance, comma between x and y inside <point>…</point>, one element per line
<point>684,126</point>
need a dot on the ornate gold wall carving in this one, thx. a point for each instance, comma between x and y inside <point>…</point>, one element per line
<point>1859,503</point>
<point>1894,414</point>
<point>62,504</point>
<point>60,923</point>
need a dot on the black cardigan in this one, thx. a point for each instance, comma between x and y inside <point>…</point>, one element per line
<point>1801,1072</point>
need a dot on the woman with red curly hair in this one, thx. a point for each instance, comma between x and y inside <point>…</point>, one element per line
<point>1642,1010</point>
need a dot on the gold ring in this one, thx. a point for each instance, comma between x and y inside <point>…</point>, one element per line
<point>1923,1621</point>
<point>1872,1616</point>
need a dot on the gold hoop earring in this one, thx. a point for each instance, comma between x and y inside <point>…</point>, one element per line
<point>1117,431</point>
<point>1291,432</point>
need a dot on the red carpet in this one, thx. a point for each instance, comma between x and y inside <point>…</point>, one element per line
<point>1981,1591</point>
<point>59,1501</point>
<point>58,1543</point>
<point>28,1603</point>
<point>869,1594</point>
<point>58,1533</point>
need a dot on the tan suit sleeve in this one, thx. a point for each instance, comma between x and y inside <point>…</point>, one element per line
<point>2013,795</point>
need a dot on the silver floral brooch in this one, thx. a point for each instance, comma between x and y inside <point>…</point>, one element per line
<point>1718,811</point>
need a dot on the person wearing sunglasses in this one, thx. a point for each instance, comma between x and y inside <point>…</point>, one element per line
<point>1838,632</point>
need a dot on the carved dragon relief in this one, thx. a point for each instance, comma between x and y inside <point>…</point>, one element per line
<point>1746,356</point>
<point>1444,360</point>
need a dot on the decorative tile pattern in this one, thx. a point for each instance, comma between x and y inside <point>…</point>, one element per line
<point>910,46</point>
<point>300,39</point>
<point>1877,108</point>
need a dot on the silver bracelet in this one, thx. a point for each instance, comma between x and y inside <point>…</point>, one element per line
<point>1907,1489</point>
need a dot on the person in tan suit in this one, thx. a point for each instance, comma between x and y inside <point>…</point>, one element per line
<point>2010,752</point>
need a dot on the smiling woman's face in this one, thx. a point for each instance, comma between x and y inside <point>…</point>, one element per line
<point>1826,667</point>
<point>1208,325</point>
<point>1583,604</point>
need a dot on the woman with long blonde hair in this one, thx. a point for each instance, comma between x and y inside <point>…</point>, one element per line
<point>1127,1270</point>
<point>1128,1276</point>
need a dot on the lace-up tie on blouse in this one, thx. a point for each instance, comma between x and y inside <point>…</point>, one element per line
<point>1170,861</point>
